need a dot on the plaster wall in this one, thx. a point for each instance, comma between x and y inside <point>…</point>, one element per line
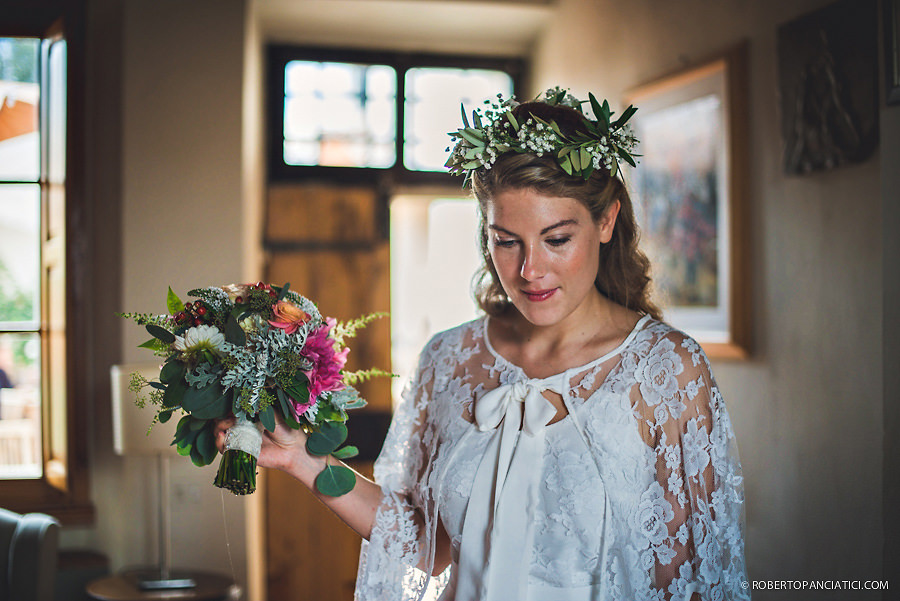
<point>890,194</point>
<point>807,406</point>
<point>177,69</point>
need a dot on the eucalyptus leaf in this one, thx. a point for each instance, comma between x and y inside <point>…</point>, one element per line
<point>161,333</point>
<point>173,303</point>
<point>328,438</point>
<point>234,333</point>
<point>286,410</point>
<point>217,409</point>
<point>267,417</point>
<point>197,456</point>
<point>282,292</point>
<point>157,385</point>
<point>346,452</point>
<point>164,416</point>
<point>206,445</point>
<point>462,109</point>
<point>184,451</point>
<point>476,120</point>
<point>174,393</point>
<point>183,427</point>
<point>335,480</point>
<point>172,371</point>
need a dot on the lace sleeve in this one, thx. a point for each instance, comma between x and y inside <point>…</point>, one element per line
<point>692,512</point>
<point>394,559</point>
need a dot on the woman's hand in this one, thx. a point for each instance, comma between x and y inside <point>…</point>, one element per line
<point>283,449</point>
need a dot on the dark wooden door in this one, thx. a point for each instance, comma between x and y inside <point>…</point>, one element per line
<point>331,244</point>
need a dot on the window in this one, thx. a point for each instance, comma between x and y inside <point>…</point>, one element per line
<point>357,116</point>
<point>42,467</point>
<point>20,195</point>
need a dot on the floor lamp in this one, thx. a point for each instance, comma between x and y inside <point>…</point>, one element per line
<point>130,437</point>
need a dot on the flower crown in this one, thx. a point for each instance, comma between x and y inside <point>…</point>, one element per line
<point>495,131</point>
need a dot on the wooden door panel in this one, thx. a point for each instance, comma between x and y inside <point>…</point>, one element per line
<point>326,241</point>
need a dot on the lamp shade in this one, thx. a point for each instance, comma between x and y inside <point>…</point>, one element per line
<point>130,422</point>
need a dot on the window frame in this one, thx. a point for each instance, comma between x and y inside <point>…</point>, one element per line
<point>63,490</point>
<point>277,57</point>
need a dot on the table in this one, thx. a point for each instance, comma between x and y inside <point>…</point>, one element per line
<point>123,587</point>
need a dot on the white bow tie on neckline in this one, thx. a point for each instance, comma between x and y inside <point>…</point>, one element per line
<point>498,527</point>
<point>508,400</point>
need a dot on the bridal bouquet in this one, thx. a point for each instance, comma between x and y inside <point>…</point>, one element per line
<point>253,351</point>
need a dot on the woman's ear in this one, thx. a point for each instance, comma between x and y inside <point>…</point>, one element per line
<point>608,221</point>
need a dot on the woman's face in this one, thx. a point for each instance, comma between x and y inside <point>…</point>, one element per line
<point>546,250</point>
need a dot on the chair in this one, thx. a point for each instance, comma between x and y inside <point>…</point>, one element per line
<point>28,552</point>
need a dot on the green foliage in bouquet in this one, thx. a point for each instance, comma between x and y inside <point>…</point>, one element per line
<point>260,353</point>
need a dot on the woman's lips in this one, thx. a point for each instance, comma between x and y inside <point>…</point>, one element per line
<point>539,295</point>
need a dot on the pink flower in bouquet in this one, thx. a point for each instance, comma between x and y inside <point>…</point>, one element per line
<point>288,316</point>
<point>325,374</point>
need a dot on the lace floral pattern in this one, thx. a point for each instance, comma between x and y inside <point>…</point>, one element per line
<point>641,494</point>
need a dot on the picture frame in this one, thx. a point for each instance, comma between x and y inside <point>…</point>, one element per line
<point>828,87</point>
<point>690,196</point>
<point>892,50</point>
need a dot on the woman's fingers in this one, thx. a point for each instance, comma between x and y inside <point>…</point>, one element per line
<point>222,426</point>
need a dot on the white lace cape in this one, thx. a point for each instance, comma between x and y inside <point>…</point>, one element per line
<point>683,538</point>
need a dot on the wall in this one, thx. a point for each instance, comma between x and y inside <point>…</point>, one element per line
<point>807,407</point>
<point>168,156</point>
<point>890,194</point>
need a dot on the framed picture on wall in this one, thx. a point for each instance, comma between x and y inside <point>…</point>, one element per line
<point>689,192</point>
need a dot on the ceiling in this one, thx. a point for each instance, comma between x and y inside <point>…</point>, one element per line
<point>499,27</point>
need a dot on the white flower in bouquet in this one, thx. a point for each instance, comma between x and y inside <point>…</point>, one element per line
<point>201,338</point>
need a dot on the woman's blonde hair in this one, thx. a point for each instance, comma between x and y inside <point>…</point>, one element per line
<point>623,275</point>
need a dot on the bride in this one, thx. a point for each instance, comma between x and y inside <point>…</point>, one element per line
<point>568,445</point>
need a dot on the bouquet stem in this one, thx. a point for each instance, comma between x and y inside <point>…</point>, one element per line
<point>237,472</point>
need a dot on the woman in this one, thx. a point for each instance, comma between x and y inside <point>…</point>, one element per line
<point>568,445</point>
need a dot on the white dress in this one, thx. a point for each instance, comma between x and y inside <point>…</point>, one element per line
<point>635,494</point>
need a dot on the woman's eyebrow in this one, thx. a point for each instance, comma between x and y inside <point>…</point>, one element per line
<point>560,224</point>
<point>543,231</point>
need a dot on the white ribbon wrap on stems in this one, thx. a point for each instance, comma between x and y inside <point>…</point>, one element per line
<point>245,436</point>
<point>498,529</point>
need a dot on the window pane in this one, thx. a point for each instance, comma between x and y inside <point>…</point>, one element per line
<point>339,114</point>
<point>56,101</point>
<point>20,406</point>
<point>19,256</point>
<point>19,95</point>
<point>432,102</point>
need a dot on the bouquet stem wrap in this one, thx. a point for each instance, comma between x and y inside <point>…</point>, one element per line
<point>237,470</point>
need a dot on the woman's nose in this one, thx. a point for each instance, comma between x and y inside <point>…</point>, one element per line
<point>532,264</point>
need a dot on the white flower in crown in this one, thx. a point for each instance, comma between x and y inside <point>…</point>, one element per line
<point>201,338</point>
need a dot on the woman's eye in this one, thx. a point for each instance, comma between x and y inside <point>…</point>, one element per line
<point>558,241</point>
<point>504,243</point>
